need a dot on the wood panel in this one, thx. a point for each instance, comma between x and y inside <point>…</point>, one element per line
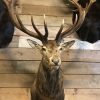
<point>52,30</point>
<point>53,21</point>
<point>14,42</point>
<point>33,54</point>
<point>18,66</point>
<point>16,80</point>
<point>68,68</point>
<point>70,94</point>
<point>82,94</point>
<point>40,10</point>
<point>70,81</point>
<point>60,3</point>
<point>81,81</point>
<point>14,94</point>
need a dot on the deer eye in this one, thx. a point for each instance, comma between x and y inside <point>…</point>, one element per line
<point>60,48</point>
<point>44,49</point>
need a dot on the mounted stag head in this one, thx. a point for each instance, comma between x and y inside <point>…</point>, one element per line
<point>48,84</point>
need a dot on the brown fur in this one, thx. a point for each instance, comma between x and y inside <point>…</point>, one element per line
<point>48,84</point>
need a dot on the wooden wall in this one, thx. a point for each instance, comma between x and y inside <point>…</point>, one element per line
<point>18,64</point>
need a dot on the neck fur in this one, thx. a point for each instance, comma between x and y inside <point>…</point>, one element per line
<point>49,83</point>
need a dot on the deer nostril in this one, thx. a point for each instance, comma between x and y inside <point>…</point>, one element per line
<point>55,61</point>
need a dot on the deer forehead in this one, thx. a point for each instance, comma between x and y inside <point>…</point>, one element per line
<point>52,44</point>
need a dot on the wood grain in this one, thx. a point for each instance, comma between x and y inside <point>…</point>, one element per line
<point>52,21</point>
<point>40,10</point>
<point>82,94</point>
<point>70,81</point>
<point>33,54</point>
<point>60,3</point>
<point>68,68</point>
<point>14,94</point>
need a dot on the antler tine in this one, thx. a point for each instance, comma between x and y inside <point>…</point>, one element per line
<point>77,23</point>
<point>46,29</point>
<point>60,30</point>
<point>24,29</point>
<point>17,21</point>
<point>35,28</point>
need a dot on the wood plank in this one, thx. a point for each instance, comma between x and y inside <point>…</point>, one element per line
<point>82,94</point>
<point>70,81</point>
<point>14,94</point>
<point>51,20</point>
<point>52,30</point>
<point>33,54</point>
<point>82,91</point>
<point>40,10</point>
<point>16,80</point>
<point>68,68</point>
<point>14,42</point>
<point>44,2</point>
<point>82,81</point>
<point>70,94</point>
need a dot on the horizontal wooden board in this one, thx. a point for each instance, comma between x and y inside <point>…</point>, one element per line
<point>70,94</point>
<point>76,91</point>
<point>70,81</point>
<point>40,10</point>
<point>14,42</point>
<point>14,94</point>
<point>44,2</point>
<point>33,54</point>
<point>81,81</point>
<point>51,20</point>
<point>52,30</point>
<point>68,68</point>
<point>82,94</point>
<point>16,80</point>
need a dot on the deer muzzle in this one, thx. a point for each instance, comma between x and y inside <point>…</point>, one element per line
<point>55,61</point>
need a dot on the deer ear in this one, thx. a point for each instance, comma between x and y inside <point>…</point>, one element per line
<point>34,44</point>
<point>68,44</point>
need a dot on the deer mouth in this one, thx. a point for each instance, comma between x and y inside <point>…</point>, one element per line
<point>53,68</point>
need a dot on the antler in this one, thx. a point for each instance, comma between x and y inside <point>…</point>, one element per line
<point>78,21</point>
<point>18,23</point>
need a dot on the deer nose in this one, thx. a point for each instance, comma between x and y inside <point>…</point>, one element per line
<point>55,61</point>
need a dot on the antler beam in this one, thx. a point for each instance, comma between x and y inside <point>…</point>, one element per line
<point>18,23</point>
<point>78,22</point>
